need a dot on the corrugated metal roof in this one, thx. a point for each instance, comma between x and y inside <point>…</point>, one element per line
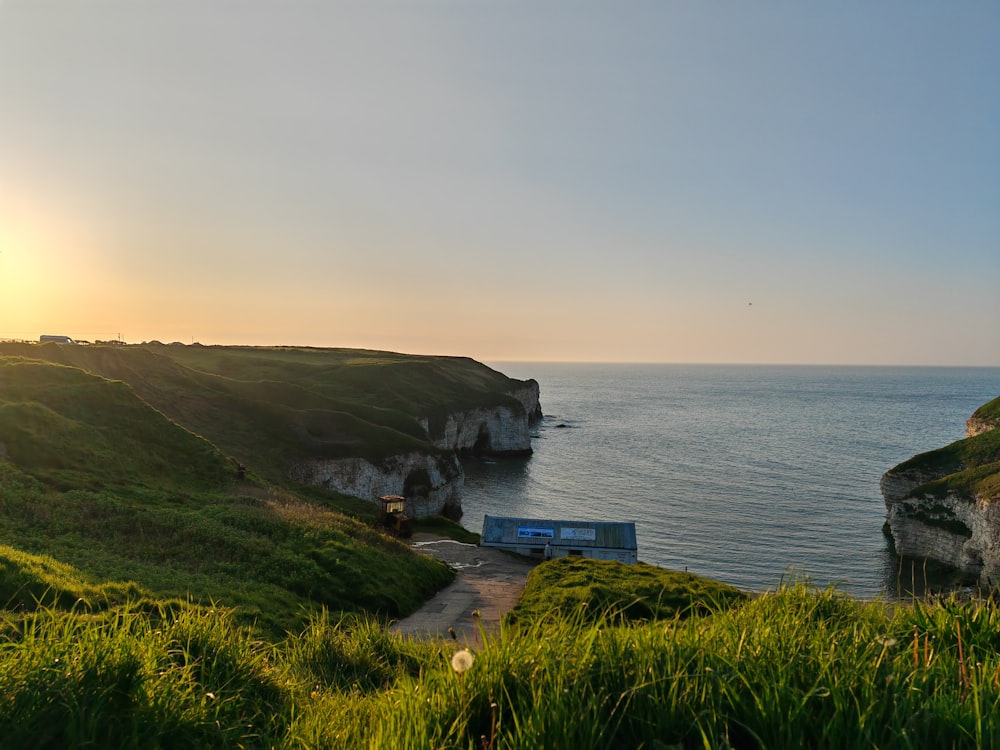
<point>577,534</point>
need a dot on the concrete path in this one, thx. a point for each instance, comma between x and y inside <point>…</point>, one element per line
<point>488,581</point>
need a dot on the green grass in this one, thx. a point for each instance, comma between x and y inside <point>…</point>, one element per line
<point>606,589</point>
<point>959,456</point>
<point>445,527</point>
<point>789,669</point>
<point>154,601</point>
<point>268,552</point>
<point>272,407</point>
<point>989,411</point>
<point>73,429</point>
<point>101,495</point>
<point>967,467</point>
<point>117,475</point>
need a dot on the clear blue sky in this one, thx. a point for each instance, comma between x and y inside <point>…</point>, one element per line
<point>639,181</point>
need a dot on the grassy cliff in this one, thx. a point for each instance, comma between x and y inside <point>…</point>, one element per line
<point>270,407</point>
<point>152,599</point>
<point>118,475</point>
<point>968,467</point>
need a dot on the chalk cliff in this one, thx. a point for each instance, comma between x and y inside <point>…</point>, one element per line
<point>432,481</point>
<point>432,484</point>
<point>502,429</point>
<point>945,504</point>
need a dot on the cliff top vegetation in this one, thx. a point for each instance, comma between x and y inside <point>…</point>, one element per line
<point>970,466</point>
<point>270,407</point>
<point>989,412</point>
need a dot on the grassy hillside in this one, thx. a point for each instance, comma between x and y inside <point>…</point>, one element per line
<point>152,600</point>
<point>793,668</point>
<point>970,466</point>
<point>74,430</point>
<point>269,407</point>
<point>599,590</point>
<point>103,497</point>
<point>989,411</point>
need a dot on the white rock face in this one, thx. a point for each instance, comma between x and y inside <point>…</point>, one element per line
<point>528,395</point>
<point>897,485</point>
<point>960,531</point>
<point>976,426</point>
<point>497,429</point>
<point>369,481</point>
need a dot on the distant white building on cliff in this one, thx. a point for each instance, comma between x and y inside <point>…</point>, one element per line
<point>599,540</point>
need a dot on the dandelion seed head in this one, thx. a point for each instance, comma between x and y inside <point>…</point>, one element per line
<point>462,660</point>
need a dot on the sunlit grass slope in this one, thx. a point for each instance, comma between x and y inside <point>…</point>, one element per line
<point>989,411</point>
<point>100,492</point>
<point>970,466</point>
<point>598,590</point>
<point>793,668</point>
<point>270,407</point>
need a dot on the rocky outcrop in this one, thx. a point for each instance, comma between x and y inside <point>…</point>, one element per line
<point>953,522</point>
<point>978,425</point>
<point>502,429</point>
<point>487,431</point>
<point>897,483</point>
<point>960,531</point>
<point>986,419</point>
<point>432,484</point>
<point>528,395</point>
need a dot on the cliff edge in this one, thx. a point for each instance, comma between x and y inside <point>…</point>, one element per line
<point>432,480</point>
<point>359,422</point>
<point>944,505</point>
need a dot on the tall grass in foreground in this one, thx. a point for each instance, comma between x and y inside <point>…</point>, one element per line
<point>191,679</point>
<point>793,668</point>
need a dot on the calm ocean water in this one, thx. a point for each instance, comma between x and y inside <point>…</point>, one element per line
<point>746,474</point>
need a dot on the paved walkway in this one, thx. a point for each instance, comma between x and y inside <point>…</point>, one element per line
<point>488,581</point>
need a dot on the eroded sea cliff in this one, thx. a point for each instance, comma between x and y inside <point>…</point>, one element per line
<point>944,505</point>
<point>432,481</point>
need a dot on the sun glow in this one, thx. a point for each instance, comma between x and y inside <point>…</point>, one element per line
<point>47,275</point>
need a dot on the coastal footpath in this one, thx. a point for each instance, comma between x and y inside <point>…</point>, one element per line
<point>944,505</point>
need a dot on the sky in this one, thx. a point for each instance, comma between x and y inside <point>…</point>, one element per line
<point>769,182</point>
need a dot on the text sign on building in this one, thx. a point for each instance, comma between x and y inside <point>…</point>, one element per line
<point>579,535</point>
<point>534,532</point>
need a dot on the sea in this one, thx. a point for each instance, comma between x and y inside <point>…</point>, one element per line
<point>751,475</point>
